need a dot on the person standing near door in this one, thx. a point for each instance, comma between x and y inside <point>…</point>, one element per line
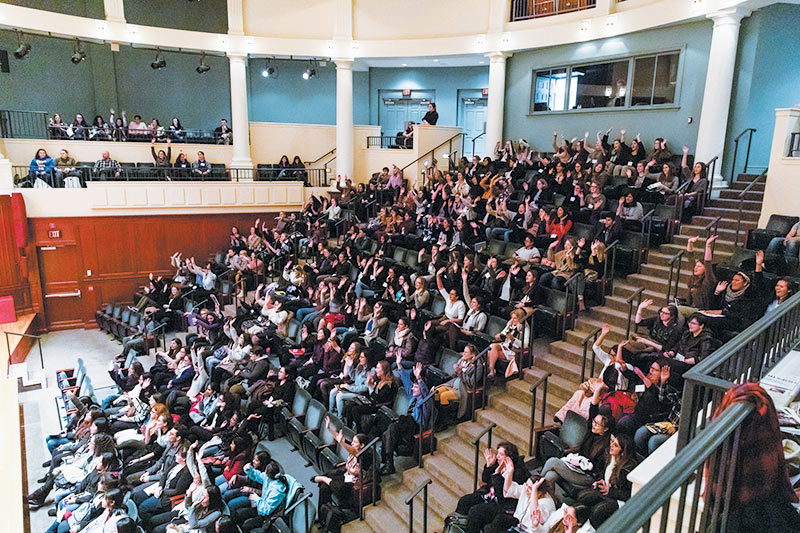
<point>431,117</point>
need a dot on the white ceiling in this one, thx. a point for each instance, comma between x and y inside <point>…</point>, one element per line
<point>463,60</point>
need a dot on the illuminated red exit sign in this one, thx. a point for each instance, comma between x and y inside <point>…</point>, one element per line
<point>485,92</point>
<point>406,92</point>
<point>54,234</point>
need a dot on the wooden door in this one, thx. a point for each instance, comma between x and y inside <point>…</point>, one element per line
<point>59,271</point>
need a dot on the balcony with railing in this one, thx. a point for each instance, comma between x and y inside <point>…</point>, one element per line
<point>531,9</point>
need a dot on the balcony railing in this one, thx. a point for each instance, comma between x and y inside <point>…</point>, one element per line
<point>387,141</point>
<point>531,9</point>
<point>747,357</point>
<point>85,172</point>
<point>36,125</point>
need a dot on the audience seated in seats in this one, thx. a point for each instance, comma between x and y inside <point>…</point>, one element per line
<point>41,168</point>
<point>788,246</point>
<point>350,322</point>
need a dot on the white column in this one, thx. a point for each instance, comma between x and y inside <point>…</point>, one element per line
<point>240,123</point>
<point>344,118</point>
<point>497,95</point>
<point>719,83</point>
<point>115,10</point>
<point>235,17</point>
<point>6,174</point>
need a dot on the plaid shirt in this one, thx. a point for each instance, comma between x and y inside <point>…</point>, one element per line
<point>103,164</point>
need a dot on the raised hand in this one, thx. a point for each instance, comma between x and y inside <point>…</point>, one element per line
<point>693,239</point>
<point>711,240</point>
<point>646,303</point>
<point>606,329</point>
<point>760,257</point>
<point>418,371</point>
<point>721,286</point>
<point>489,456</point>
<point>685,149</point>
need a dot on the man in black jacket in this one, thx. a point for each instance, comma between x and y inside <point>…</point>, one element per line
<point>481,506</point>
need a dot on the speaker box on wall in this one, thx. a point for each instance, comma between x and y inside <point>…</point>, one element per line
<point>4,61</point>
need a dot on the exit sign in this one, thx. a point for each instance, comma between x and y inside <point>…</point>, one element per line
<point>54,234</point>
<point>485,92</point>
<point>406,92</point>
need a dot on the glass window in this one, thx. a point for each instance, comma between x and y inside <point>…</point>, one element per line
<point>549,93</point>
<point>600,85</point>
<point>655,79</point>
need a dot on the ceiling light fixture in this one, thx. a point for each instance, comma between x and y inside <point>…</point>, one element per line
<point>78,54</point>
<point>159,62</point>
<point>203,67</point>
<point>23,49</point>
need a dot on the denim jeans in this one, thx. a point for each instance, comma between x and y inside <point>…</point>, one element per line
<point>789,251</point>
<point>363,290</point>
<point>646,442</point>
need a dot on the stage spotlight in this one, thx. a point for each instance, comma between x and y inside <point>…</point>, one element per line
<point>310,72</point>
<point>23,49</point>
<point>203,67</point>
<point>78,54</point>
<point>159,62</point>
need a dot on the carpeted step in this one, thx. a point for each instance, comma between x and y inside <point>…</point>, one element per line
<point>733,194</point>
<point>732,213</point>
<point>727,203</point>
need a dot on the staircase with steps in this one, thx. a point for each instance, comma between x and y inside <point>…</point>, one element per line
<point>451,467</point>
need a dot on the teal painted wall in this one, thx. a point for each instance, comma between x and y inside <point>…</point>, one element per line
<point>78,8</point>
<point>205,15</point>
<point>767,77</point>
<point>47,81</point>
<point>694,39</point>
<point>445,81</point>
<point>289,98</point>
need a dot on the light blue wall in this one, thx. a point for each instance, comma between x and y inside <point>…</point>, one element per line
<point>208,15</point>
<point>694,39</point>
<point>767,77</point>
<point>445,81</point>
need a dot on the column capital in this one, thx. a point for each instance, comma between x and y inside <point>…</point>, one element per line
<point>235,17</point>
<point>343,63</point>
<point>236,57</point>
<point>729,16</point>
<point>498,57</point>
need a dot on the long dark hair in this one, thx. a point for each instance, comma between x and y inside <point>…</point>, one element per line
<point>626,458</point>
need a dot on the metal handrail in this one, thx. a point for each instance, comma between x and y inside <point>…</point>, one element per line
<point>592,336</point>
<point>373,477</point>
<point>679,259</point>
<point>8,346</point>
<point>482,357</point>
<point>741,202</point>
<point>686,468</point>
<point>320,158</point>
<point>637,295</point>
<point>712,228</point>
<point>427,398</point>
<point>384,141</point>
<point>747,357</point>
<point>611,252</point>
<point>572,302</point>
<point>476,138</point>
<point>541,381</point>
<point>711,168</point>
<point>647,229</point>
<point>749,131</point>
<point>432,152</point>
<point>477,443</point>
<point>410,502</point>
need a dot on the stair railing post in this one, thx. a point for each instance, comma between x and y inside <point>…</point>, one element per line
<point>477,443</point>
<point>541,381</point>
<point>747,154</point>
<point>733,165</point>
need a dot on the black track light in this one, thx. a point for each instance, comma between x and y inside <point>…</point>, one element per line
<point>23,49</point>
<point>310,72</point>
<point>159,62</point>
<point>203,67</point>
<point>78,54</point>
<point>270,70</point>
